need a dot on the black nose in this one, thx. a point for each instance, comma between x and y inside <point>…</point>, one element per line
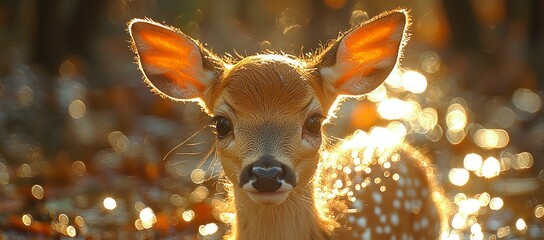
<point>267,174</point>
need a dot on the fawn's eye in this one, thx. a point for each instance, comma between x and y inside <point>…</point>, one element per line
<point>222,126</point>
<point>313,124</point>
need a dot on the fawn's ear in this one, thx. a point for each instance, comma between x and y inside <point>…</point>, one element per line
<point>361,59</point>
<point>174,65</point>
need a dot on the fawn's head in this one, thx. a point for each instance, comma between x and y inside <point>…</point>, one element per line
<point>268,109</point>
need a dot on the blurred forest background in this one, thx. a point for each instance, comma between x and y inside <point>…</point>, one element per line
<point>86,150</point>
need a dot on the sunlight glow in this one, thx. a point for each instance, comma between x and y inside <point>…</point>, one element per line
<point>455,137</point>
<point>491,138</point>
<point>458,221</point>
<point>456,119</point>
<point>109,203</point>
<point>496,203</point>
<point>526,100</point>
<point>484,199</point>
<point>427,120</point>
<point>77,109</point>
<point>27,219</point>
<point>469,206</point>
<point>208,229</point>
<point>377,95</point>
<point>473,162</point>
<point>523,160</point>
<point>491,167</point>
<point>414,81</point>
<point>394,108</point>
<point>394,80</point>
<point>71,231</point>
<point>521,225</point>
<point>476,231</point>
<point>503,232</point>
<point>459,176</point>
<point>539,211</point>
<point>148,217</point>
<point>188,215</point>
<point>197,176</point>
<point>37,191</point>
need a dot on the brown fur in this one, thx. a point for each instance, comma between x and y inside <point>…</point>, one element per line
<point>270,89</point>
<point>268,99</point>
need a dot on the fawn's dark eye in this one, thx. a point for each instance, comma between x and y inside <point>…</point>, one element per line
<point>313,124</point>
<point>222,126</point>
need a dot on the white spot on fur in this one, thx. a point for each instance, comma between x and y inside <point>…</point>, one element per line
<point>401,182</point>
<point>358,205</point>
<point>387,229</point>
<point>396,203</point>
<point>416,226</point>
<point>417,182</point>
<point>407,205</point>
<point>367,235</point>
<point>379,230</point>
<point>377,211</point>
<point>361,222</point>
<point>424,192</point>
<point>377,197</point>
<point>383,218</point>
<point>394,219</point>
<point>424,222</point>
<point>399,193</point>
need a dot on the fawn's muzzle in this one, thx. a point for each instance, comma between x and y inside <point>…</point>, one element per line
<point>267,175</point>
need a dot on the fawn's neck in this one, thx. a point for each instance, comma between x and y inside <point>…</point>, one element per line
<point>295,218</point>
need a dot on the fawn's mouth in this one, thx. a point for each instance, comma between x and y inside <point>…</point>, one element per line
<point>268,198</point>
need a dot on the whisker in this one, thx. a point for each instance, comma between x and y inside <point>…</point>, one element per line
<point>184,142</point>
<point>170,164</point>
<point>206,157</point>
<point>194,144</point>
<point>188,153</point>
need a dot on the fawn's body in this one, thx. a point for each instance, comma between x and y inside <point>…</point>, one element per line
<point>268,112</point>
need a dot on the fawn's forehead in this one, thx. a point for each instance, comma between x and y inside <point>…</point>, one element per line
<point>271,84</point>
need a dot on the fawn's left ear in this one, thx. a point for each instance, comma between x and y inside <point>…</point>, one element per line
<point>361,60</point>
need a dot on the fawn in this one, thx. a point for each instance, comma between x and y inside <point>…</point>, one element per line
<point>268,111</point>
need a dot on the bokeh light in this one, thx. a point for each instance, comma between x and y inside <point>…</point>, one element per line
<point>496,203</point>
<point>77,109</point>
<point>491,167</point>
<point>37,191</point>
<point>27,219</point>
<point>197,176</point>
<point>188,215</point>
<point>394,109</point>
<point>491,138</point>
<point>109,203</point>
<point>147,217</point>
<point>459,176</point>
<point>456,119</point>
<point>473,162</point>
<point>526,100</point>
<point>208,229</point>
<point>521,225</point>
<point>469,206</point>
<point>539,211</point>
<point>414,81</point>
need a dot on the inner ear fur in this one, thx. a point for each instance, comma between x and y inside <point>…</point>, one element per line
<point>360,60</point>
<point>173,64</point>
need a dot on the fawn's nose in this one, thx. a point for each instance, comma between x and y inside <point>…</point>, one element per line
<point>267,175</point>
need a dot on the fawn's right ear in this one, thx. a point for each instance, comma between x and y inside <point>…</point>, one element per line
<point>174,65</point>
